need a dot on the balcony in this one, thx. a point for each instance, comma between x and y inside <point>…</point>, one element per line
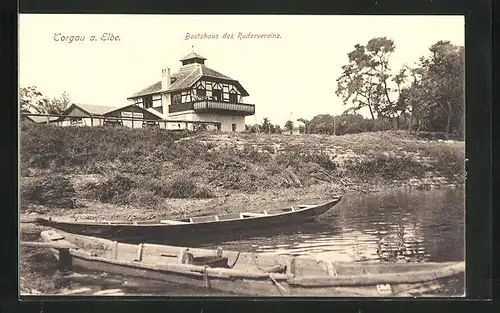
<point>213,106</point>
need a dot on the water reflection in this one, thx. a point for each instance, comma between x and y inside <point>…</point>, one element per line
<point>401,226</point>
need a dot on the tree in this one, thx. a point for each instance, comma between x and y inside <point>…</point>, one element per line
<point>436,95</point>
<point>266,125</point>
<point>444,81</point>
<point>306,124</point>
<point>289,125</point>
<point>34,101</point>
<point>58,105</point>
<point>411,97</point>
<point>31,99</point>
<point>367,81</point>
<point>322,124</point>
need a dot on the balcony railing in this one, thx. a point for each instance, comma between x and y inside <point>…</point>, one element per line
<point>212,106</point>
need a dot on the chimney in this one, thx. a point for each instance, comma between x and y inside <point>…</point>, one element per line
<point>165,78</point>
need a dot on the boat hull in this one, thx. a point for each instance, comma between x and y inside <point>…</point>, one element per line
<point>242,287</point>
<point>177,234</point>
<point>247,273</point>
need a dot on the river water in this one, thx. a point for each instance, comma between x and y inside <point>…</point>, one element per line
<point>400,225</point>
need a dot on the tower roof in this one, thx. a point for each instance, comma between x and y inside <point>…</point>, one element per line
<point>192,55</point>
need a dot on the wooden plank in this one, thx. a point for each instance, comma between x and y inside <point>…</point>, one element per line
<point>52,235</point>
<point>389,278</point>
<point>251,214</point>
<point>194,270</point>
<point>55,245</point>
<point>170,222</point>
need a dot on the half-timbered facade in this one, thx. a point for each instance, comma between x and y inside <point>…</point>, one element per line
<point>197,93</point>
<point>129,115</point>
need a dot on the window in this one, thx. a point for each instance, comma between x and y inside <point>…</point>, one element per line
<point>75,120</point>
<point>148,101</point>
<point>201,93</point>
<point>176,98</point>
<point>217,94</point>
<point>233,98</point>
<point>186,96</point>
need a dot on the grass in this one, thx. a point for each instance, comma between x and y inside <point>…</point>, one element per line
<point>123,173</point>
<point>144,167</point>
<point>382,166</point>
<point>52,190</point>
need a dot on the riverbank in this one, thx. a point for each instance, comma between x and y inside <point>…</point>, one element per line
<point>64,169</point>
<point>140,174</point>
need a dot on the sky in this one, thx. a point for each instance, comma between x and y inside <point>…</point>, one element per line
<point>287,78</point>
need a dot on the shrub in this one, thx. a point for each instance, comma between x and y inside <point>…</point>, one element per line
<point>112,190</point>
<point>448,160</point>
<point>141,197</point>
<point>387,167</point>
<point>297,158</point>
<point>53,190</point>
<point>42,145</point>
<point>181,187</point>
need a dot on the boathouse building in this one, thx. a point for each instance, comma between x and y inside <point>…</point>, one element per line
<point>197,93</point>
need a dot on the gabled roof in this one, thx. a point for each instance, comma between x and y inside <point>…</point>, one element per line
<point>186,77</point>
<point>100,110</point>
<point>93,109</point>
<point>154,88</point>
<point>41,119</point>
<point>96,109</point>
<point>192,55</point>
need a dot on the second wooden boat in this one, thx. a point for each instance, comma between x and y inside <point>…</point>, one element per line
<point>245,273</point>
<point>173,231</point>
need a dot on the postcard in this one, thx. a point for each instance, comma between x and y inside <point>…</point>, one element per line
<point>242,155</point>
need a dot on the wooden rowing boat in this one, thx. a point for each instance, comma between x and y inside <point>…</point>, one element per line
<point>176,231</point>
<point>245,273</point>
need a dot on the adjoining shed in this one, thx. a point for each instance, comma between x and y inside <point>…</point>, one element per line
<point>129,115</point>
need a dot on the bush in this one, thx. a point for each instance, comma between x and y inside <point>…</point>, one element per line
<point>296,158</point>
<point>449,160</point>
<point>112,190</point>
<point>53,190</point>
<point>387,167</point>
<point>42,145</point>
<point>181,187</point>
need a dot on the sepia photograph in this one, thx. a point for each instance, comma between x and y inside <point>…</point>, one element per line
<point>242,155</point>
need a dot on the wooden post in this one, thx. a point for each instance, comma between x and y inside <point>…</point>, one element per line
<point>92,120</point>
<point>132,120</point>
<point>138,256</point>
<point>115,250</point>
<point>218,252</point>
<point>65,260</point>
<point>290,267</point>
<point>48,118</point>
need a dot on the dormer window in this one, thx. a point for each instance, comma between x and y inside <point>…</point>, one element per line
<point>233,98</point>
<point>217,94</point>
<point>201,93</point>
